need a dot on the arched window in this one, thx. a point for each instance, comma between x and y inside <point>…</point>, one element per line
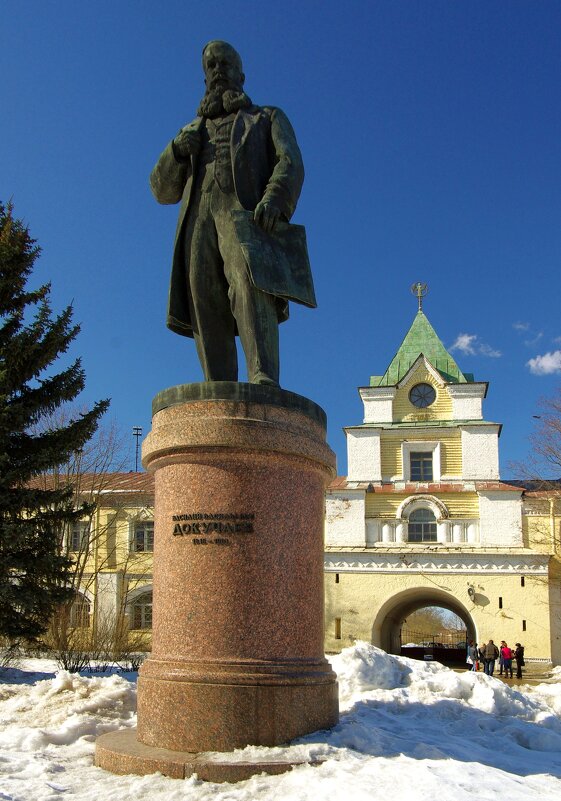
<point>80,612</point>
<point>142,611</point>
<point>422,526</point>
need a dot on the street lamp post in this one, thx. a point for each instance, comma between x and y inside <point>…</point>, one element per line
<point>137,433</point>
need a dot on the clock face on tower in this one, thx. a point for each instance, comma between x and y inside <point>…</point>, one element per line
<point>422,395</point>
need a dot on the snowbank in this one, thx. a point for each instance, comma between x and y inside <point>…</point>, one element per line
<point>408,728</point>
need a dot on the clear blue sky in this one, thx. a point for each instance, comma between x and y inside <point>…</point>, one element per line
<point>431,136</point>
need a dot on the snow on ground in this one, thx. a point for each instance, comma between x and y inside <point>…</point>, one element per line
<point>408,729</point>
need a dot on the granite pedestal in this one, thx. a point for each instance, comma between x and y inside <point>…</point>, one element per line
<point>237,648</point>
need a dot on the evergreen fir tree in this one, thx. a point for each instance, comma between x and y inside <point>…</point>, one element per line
<point>33,571</point>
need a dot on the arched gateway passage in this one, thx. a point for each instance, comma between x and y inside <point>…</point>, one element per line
<point>386,631</point>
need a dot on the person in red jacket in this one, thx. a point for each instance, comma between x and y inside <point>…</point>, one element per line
<point>506,657</point>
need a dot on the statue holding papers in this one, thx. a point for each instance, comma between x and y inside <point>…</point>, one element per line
<point>237,171</point>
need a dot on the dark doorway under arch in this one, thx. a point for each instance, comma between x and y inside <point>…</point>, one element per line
<point>392,615</point>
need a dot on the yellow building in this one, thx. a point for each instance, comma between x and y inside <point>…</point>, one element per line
<point>423,519</point>
<point>112,552</point>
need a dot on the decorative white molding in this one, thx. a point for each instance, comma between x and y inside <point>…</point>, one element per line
<point>86,594</point>
<point>137,592</point>
<point>410,562</point>
<point>408,505</point>
<point>143,515</point>
<point>139,515</point>
<point>413,369</point>
<point>139,577</point>
<point>452,532</point>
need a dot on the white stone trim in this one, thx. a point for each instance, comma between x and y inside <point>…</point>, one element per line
<point>500,515</point>
<point>144,515</point>
<point>378,403</point>
<point>138,515</point>
<point>137,592</point>
<point>345,518</point>
<point>408,505</point>
<point>432,371</point>
<point>108,588</point>
<point>139,577</point>
<point>374,531</point>
<point>467,400</point>
<point>364,454</point>
<point>452,532</point>
<point>480,452</point>
<point>132,598</point>
<point>86,594</point>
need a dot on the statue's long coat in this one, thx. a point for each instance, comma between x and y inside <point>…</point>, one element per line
<point>266,164</point>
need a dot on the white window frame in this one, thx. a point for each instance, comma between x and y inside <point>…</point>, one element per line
<point>436,506</point>
<point>136,524</point>
<point>137,603</point>
<point>434,522</point>
<point>81,529</point>
<point>80,612</point>
<point>407,448</point>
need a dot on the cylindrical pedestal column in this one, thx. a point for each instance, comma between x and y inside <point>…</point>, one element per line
<point>237,654</point>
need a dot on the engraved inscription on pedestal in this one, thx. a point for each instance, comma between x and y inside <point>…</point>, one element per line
<point>212,529</point>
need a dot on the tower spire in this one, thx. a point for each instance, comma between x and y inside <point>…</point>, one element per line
<point>421,340</point>
<point>420,290</point>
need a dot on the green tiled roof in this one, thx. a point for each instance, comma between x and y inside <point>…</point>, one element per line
<point>421,339</point>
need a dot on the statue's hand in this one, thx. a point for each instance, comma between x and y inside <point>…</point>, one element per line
<point>187,143</point>
<point>266,215</point>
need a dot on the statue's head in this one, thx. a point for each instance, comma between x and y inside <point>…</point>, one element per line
<point>222,66</point>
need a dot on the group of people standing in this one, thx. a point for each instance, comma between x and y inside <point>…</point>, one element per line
<point>487,654</point>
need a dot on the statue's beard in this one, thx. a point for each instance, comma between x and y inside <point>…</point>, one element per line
<point>218,101</point>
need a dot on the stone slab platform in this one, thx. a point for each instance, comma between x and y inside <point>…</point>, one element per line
<point>120,752</point>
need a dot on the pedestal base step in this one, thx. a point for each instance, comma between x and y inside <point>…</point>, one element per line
<point>120,752</point>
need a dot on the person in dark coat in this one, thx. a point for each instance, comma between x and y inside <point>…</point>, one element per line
<point>519,656</point>
<point>491,654</point>
<point>481,653</point>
